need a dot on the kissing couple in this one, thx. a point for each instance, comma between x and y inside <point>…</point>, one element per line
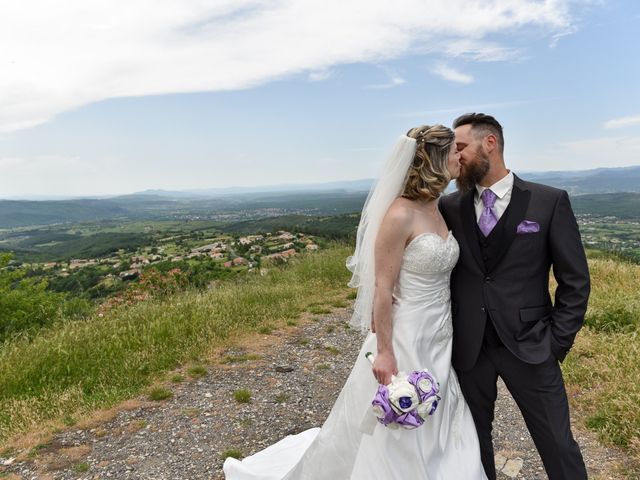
<point>456,284</point>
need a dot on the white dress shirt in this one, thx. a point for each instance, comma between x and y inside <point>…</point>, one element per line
<point>502,188</point>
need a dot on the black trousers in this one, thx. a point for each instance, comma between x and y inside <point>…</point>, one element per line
<point>539,393</point>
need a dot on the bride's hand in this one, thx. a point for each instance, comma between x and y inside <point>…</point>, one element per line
<point>384,366</point>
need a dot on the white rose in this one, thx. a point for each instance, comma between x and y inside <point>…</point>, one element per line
<point>424,409</point>
<point>425,385</point>
<point>402,395</point>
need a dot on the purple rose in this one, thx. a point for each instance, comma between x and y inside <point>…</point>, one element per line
<point>409,420</point>
<point>425,384</point>
<point>382,407</point>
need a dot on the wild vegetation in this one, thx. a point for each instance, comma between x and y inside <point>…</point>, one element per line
<point>76,366</point>
<point>603,369</point>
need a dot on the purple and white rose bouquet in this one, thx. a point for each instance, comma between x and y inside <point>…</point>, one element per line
<point>407,401</point>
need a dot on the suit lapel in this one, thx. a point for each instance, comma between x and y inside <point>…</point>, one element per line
<point>518,205</point>
<point>469,221</point>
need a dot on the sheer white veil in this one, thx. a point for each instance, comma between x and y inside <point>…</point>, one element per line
<point>387,188</point>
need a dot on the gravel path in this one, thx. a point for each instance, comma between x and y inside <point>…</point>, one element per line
<point>293,376</point>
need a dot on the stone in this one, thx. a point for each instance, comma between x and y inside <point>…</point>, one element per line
<point>500,460</point>
<point>513,467</point>
<point>284,369</point>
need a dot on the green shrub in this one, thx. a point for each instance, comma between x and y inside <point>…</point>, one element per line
<point>25,305</point>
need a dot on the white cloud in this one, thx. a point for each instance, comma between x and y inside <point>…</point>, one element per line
<point>622,122</point>
<point>56,56</point>
<point>452,74</point>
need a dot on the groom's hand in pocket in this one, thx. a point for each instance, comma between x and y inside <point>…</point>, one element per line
<point>384,366</point>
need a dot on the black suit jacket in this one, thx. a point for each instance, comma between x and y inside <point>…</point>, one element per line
<point>512,290</point>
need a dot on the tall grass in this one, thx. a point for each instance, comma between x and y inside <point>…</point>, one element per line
<point>603,369</point>
<point>82,365</point>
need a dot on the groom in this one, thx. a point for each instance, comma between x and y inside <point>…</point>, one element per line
<point>511,232</point>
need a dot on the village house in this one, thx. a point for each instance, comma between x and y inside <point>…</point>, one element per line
<point>285,235</point>
<point>140,259</point>
<point>210,247</point>
<point>80,263</point>
<point>239,261</point>
<point>288,253</point>
<point>249,239</point>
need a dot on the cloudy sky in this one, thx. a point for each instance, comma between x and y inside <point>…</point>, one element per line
<point>106,96</point>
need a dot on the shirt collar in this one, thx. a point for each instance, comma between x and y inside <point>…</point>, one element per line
<point>500,188</point>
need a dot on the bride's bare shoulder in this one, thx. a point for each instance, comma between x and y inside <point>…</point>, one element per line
<point>400,212</point>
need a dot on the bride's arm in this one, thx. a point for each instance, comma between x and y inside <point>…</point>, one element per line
<point>390,244</point>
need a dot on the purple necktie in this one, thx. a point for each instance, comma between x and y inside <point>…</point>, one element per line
<point>488,219</point>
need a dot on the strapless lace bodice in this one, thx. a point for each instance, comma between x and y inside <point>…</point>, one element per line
<point>430,253</point>
<point>426,268</point>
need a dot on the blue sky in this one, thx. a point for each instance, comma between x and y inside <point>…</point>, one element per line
<point>108,97</point>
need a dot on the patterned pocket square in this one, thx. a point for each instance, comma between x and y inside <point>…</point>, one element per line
<point>527,226</point>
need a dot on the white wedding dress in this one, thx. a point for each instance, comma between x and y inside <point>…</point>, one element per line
<point>352,444</point>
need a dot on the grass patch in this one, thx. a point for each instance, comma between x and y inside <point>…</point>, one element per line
<point>330,328</point>
<point>291,323</point>
<point>265,330</point>
<point>37,449</point>
<point>282,397</point>
<point>602,371</point>
<point>159,393</point>
<point>318,309</point>
<point>197,371</point>
<point>177,378</point>
<point>242,395</point>
<point>231,452</point>
<point>331,349</point>
<point>76,367</point>
<point>322,366</point>
<point>302,341</point>
<point>614,305</point>
<point>81,467</point>
<point>352,295</point>
<point>68,420</point>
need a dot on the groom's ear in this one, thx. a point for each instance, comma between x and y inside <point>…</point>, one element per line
<point>490,142</point>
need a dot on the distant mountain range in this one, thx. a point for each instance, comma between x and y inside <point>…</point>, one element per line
<point>598,180</point>
<point>318,199</point>
<point>580,182</point>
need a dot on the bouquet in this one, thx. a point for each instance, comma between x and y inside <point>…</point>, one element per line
<point>407,401</point>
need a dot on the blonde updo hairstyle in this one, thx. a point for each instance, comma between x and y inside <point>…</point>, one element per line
<point>428,175</point>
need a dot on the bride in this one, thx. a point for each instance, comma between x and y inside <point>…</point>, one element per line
<point>403,259</point>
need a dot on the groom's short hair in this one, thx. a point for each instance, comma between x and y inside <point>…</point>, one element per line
<point>482,123</point>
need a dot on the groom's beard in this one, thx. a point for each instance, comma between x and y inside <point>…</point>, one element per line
<point>473,172</point>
